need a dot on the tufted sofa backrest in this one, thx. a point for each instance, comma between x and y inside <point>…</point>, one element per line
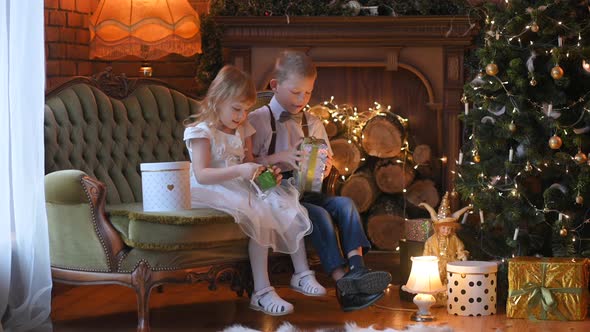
<point>109,138</point>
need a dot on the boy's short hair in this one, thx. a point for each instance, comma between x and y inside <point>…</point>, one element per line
<point>293,62</point>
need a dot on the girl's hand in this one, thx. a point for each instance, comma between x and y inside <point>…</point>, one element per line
<point>277,172</point>
<point>249,170</point>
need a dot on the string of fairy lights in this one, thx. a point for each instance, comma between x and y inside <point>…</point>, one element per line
<point>562,48</point>
<point>352,122</point>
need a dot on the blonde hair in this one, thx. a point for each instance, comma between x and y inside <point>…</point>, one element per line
<point>230,83</point>
<point>293,62</point>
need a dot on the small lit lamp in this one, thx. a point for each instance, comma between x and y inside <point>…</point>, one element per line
<point>148,29</point>
<point>424,281</point>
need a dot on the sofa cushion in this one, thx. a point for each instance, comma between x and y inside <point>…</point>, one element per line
<point>174,230</point>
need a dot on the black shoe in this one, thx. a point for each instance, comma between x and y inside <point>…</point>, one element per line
<point>352,302</point>
<point>363,280</point>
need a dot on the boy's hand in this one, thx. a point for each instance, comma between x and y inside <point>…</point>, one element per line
<point>249,170</point>
<point>328,167</point>
<point>289,158</point>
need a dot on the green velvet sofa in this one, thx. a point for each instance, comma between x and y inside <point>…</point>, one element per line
<point>97,132</point>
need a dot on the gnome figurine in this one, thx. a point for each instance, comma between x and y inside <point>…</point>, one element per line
<point>444,243</point>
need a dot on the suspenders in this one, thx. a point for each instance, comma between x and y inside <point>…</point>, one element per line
<point>273,127</point>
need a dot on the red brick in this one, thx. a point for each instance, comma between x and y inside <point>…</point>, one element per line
<point>53,4</point>
<point>78,52</point>
<point>82,36</point>
<point>75,20</point>
<point>52,34</point>
<point>172,69</point>
<point>85,68</point>
<point>54,82</point>
<point>56,51</point>
<point>68,35</point>
<point>99,66</point>
<point>52,68</point>
<point>186,85</point>
<point>131,69</point>
<point>57,18</point>
<point>67,4</point>
<point>67,68</point>
<point>84,6</point>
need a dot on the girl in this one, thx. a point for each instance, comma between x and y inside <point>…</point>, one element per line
<point>220,146</point>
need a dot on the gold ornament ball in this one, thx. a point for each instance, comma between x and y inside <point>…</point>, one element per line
<point>580,158</point>
<point>480,75</point>
<point>586,65</point>
<point>533,82</point>
<point>454,194</point>
<point>579,200</point>
<point>555,142</point>
<point>492,69</point>
<point>476,158</point>
<point>563,232</point>
<point>534,27</point>
<point>557,72</point>
<point>512,127</point>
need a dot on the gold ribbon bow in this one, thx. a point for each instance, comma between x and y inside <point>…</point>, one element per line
<point>539,294</point>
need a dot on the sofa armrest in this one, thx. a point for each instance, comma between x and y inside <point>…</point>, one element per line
<point>81,234</point>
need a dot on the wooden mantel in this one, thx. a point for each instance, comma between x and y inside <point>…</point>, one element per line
<point>357,31</point>
<point>429,47</point>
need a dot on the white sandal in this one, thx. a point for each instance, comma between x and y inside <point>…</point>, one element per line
<point>275,305</point>
<point>306,283</point>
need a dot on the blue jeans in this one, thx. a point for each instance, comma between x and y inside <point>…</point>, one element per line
<point>333,218</point>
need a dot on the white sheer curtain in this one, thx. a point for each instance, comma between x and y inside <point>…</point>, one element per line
<point>25,277</point>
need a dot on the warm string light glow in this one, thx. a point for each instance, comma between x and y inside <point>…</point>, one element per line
<point>352,120</point>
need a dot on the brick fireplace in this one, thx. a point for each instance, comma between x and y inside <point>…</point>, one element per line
<point>414,64</point>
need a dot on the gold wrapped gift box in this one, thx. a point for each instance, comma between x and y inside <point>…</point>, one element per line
<point>547,288</point>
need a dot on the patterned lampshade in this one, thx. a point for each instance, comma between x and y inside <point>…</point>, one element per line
<point>148,29</point>
<point>424,277</point>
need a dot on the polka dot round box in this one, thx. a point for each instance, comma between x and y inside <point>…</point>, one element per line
<point>471,288</point>
<point>165,186</point>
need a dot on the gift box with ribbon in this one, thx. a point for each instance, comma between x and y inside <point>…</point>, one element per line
<point>310,176</point>
<point>547,288</point>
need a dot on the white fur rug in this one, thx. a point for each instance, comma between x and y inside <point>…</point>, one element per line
<point>349,327</point>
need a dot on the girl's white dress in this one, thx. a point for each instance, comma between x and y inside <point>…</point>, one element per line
<point>277,220</point>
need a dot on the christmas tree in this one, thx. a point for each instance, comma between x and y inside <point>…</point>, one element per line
<point>523,164</point>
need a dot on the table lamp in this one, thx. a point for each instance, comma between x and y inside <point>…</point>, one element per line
<point>424,281</point>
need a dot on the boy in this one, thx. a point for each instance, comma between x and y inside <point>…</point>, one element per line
<point>280,127</point>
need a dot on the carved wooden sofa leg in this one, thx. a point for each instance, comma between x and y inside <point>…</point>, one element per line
<point>142,282</point>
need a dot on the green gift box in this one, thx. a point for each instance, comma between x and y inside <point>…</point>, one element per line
<point>266,180</point>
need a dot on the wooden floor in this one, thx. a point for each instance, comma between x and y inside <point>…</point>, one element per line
<point>195,308</point>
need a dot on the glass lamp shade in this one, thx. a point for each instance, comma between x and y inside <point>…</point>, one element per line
<point>148,29</point>
<point>424,277</point>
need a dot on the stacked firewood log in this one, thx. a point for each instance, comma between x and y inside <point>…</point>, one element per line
<point>382,173</point>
